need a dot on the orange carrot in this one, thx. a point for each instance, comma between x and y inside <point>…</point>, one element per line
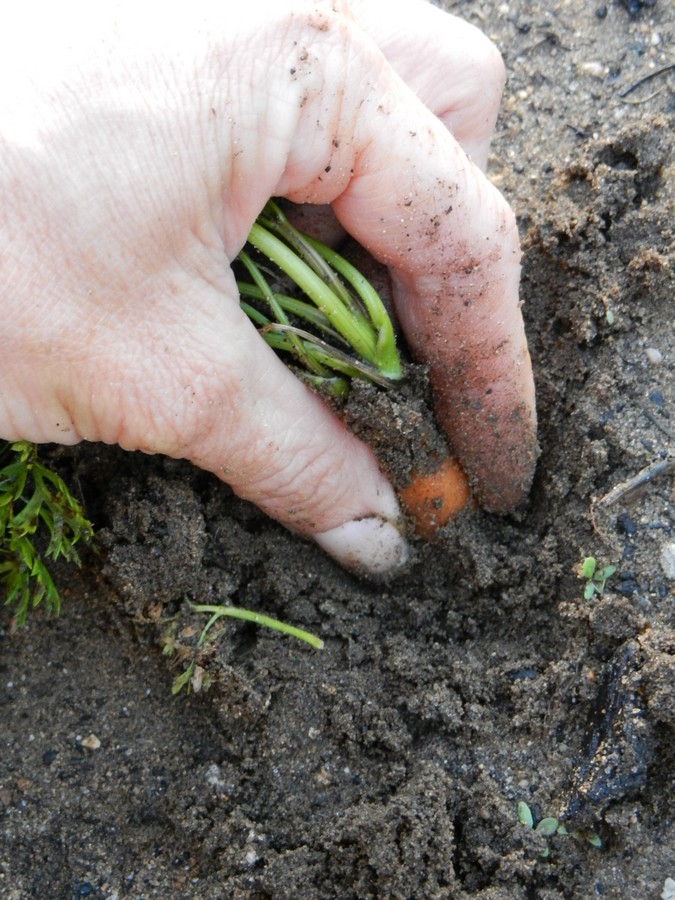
<point>434,498</point>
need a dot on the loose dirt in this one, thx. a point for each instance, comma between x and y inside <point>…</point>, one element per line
<point>391,764</point>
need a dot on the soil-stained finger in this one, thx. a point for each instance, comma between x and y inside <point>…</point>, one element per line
<point>450,240</point>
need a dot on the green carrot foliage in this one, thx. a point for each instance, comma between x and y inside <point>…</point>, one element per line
<point>40,521</point>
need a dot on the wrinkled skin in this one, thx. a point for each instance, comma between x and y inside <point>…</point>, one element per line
<point>138,147</point>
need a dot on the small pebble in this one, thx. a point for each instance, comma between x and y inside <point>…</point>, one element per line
<point>593,68</point>
<point>625,524</point>
<point>91,742</point>
<point>214,777</point>
<point>668,560</point>
<point>654,356</point>
<point>668,889</point>
<point>627,586</point>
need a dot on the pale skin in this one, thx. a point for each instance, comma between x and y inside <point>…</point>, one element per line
<point>138,145</point>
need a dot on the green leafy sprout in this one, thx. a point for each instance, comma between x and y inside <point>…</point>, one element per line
<point>307,301</point>
<point>234,612</point>
<point>549,825</point>
<point>316,306</point>
<point>595,576</point>
<point>40,520</point>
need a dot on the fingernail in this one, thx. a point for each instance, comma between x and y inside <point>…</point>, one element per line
<point>371,546</point>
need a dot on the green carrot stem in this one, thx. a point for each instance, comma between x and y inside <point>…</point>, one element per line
<point>356,331</point>
<point>379,316</point>
<point>295,307</point>
<point>326,262</point>
<point>332,386</point>
<point>277,340</point>
<point>279,313</point>
<point>273,218</point>
<point>254,314</point>
<point>247,615</point>
<point>323,352</point>
<point>266,292</point>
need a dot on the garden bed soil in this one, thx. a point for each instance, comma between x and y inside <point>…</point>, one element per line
<point>391,764</point>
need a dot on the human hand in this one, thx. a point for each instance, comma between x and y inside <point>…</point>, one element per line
<point>139,143</point>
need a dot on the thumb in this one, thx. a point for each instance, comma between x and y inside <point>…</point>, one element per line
<point>256,426</point>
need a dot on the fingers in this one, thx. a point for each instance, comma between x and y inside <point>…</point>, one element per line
<point>416,202</point>
<point>213,392</point>
<point>451,243</point>
<point>460,81</point>
<point>454,69</point>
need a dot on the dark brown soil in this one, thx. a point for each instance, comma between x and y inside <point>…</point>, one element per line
<point>390,764</point>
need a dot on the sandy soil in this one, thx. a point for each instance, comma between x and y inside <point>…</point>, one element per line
<point>391,763</point>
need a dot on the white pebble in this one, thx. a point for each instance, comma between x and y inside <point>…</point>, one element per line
<point>668,889</point>
<point>91,742</point>
<point>214,777</point>
<point>654,356</point>
<point>593,68</point>
<point>668,565</point>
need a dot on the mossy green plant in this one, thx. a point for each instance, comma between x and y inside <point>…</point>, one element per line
<point>40,521</point>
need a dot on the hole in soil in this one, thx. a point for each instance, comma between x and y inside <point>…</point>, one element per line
<point>617,158</point>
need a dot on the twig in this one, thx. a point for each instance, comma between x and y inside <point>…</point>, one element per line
<point>655,74</point>
<point>662,467</point>
<point>659,424</point>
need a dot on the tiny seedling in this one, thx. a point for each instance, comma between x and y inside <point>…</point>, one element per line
<point>594,576</point>
<point>234,612</point>
<point>549,825</point>
<point>39,520</point>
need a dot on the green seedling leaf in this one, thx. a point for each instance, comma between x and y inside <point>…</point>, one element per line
<point>590,837</point>
<point>588,567</point>
<point>547,826</point>
<point>595,576</point>
<point>589,591</point>
<point>525,815</point>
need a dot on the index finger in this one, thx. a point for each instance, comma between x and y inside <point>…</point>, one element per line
<point>421,207</point>
<point>454,69</point>
<point>403,187</point>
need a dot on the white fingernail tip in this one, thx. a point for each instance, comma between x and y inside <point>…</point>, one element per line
<point>371,546</point>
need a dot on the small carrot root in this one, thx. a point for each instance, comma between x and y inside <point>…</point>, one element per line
<point>435,498</point>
